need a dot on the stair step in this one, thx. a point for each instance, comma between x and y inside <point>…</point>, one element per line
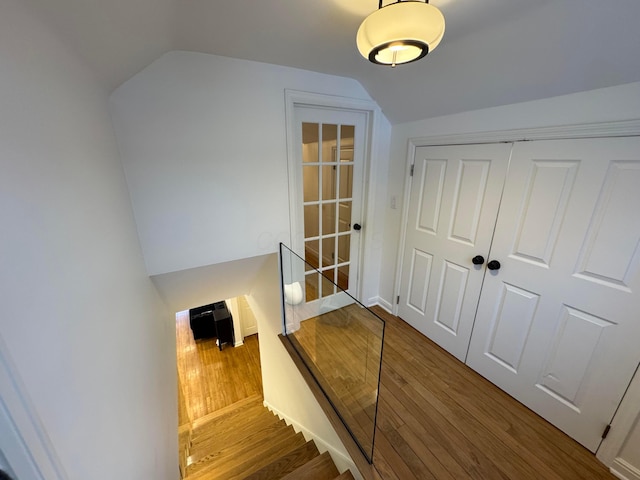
<point>216,447</point>
<point>319,468</point>
<point>247,459</point>
<point>230,430</point>
<point>286,463</point>
<point>233,409</point>
<point>228,421</point>
<point>245,441</point>
<point>231,452</point>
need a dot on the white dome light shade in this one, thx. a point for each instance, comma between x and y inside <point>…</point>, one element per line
<point>401,32</point>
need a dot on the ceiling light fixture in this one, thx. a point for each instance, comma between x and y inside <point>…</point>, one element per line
<point>401,32</point>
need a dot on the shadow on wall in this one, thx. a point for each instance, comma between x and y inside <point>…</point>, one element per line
<point>197,286</point>
<point>5,471</point>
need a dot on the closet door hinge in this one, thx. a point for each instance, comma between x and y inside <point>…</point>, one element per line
<point>397,299</point>
<point>606,431</point>
<point>411,173</point>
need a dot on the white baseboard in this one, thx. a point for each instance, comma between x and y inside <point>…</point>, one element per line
<point>624,470</point>
<point>382,303</point>
<point>342,461</point>
<point>250,331</point>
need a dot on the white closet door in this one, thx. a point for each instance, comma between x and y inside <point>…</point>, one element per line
<point>454,199</point>
<point>558,325</point>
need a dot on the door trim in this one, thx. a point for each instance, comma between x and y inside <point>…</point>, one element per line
<point>622,128</point>
<point>26,446</point>
<point>297,98</point>
<point>623,421</point>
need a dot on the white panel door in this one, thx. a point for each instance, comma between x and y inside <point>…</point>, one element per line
<point>558,325</point>
<point>454,199</point>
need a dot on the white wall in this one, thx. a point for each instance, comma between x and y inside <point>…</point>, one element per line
<point>607,104</point>
<point>285,391</point>
<point>203,285</point>
<point>91,344</point>
<point>203,141</point>
<point>630,453</point>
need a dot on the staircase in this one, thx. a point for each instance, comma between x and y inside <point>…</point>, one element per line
<point>246,441</point>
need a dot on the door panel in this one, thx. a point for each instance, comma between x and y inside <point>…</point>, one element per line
<point>616,222</point>
<point>557,325</point>
<point>471,186</point>
<point>329,194</point>
<point>510,326</point>
<point>419,275</point>
<point>547,192</point>
<point>454,200</point>
<point>430,197</point>
<point>450,297</point>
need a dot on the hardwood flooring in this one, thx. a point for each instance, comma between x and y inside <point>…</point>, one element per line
<point>211,379</point>
<point>438,419</point>
<point>343,350</point>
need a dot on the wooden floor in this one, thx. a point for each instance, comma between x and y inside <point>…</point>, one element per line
<point>342,348</point>
<point>438,419</point>
<point>210,379</point>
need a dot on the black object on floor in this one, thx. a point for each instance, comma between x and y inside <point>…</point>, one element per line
<point>213,320</point>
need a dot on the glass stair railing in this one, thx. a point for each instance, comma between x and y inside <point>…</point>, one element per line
<point>340,341</point>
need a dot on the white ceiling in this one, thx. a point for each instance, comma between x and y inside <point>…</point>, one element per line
<point>494,52</point>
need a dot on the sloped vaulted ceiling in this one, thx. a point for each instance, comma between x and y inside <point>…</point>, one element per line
<point>494,51</point>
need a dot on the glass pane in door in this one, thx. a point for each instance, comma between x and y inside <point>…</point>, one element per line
<point>346,181</point>
<point>329,143</point>
<point>327,184</point>
<point>311,286</point>
<point>310,181</point>
<point>310,142</point>
<point>344,217</point>
<point>311,221</point>
<point>312,254</point>
<point>346,142</point>
<point>328,218</point>
<point>328,280</point>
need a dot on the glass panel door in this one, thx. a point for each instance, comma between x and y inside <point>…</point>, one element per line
<point>327,191</point>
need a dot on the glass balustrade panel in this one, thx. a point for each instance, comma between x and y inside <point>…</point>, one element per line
<point>338,338</point>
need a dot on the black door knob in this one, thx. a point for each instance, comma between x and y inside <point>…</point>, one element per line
<point>493,265</point>
<point>357,226</point>
<point>478,260</point>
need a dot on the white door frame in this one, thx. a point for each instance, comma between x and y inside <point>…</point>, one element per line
<point>623,422</point>
<point>622,128</point>
<point>24,441</point>
<point>296,98</point>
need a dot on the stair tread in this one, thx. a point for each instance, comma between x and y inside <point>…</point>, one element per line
<point>232,409</point>
<point>230,431</point>
<point>253,402</point>
<point>319,468</point>
<point>236,452</point>
<point>220,446</point>
<point>286,463</point>
<point>249,459</point>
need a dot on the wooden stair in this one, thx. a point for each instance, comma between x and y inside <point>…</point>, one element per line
<point>246,441</point>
